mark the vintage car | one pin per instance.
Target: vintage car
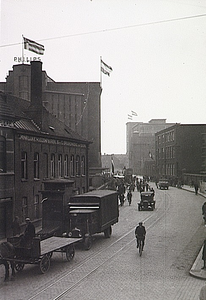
(147, 201)
(163, 184)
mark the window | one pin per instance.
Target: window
(45, 166)
(59, 165)
(24, 165)
(83, 165)
(52, 165)
(72, 165)
(36, 206)
(36, 165)
(78, 165)
(2, 155)
(66, 171)
(24, 208)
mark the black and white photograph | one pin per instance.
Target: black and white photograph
(103, 149)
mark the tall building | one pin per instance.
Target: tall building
(36, 149)
(141, 145)
(76, 104)
(181, 149)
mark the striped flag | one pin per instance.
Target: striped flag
(133, 113)
(112, 162)
(105, 68)
(33, 46)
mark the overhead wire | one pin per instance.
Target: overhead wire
(113, 29)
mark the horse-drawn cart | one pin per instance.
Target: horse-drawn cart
(40, 252)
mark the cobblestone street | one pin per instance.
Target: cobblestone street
(112, 268)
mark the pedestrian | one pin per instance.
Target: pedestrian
(16, 226)
(204, 255)
(196, 188)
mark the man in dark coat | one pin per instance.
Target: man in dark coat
(29, 233)
(140, 233)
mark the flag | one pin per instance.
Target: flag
(33, 46)
(133, 113)
(112, 161)
(105, 68)
(129, 117)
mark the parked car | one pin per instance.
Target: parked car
(147, 201)
(163, 184)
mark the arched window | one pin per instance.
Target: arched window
(72, 165)
(66, 166)
(78, 165)
(24, 165)
(59, 165)
(52, 165)
(36, 165)
(2, 155)
(83, 165)
(45, 167)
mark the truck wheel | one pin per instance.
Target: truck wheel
(88, 242)
(108, 232)
(70, 251)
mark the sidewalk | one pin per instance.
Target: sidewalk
(196, 270)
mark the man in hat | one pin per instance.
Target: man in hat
(140, 233)
(29, 233)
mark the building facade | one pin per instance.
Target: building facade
(141, 145)
(76, 104)
(181, 149)
(35, 147)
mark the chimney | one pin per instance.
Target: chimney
(36, 107)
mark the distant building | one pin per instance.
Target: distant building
(119, 160)
(141, 145)
(181, 149)
(35, 148)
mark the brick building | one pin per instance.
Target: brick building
(141, 145)
(181, 149)
(76, 104)
(35, 147)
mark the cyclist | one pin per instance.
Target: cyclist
(140, 233)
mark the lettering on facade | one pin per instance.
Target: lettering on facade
(49, 141)
(4, 123)
(26, 59)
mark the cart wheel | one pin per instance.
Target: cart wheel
(70, 251)
(19, 267)
(44, 264)
(49, 254)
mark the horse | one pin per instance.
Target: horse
(7, 250)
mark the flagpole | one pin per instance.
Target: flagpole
(100, 72)
(22, 49)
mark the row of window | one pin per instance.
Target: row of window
(64, 167)
(168, 169)
(168, 152)
(167, 137)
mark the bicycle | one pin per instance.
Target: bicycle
(140, 242)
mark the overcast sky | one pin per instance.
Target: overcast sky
(157, 49)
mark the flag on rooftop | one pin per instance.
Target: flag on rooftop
(112, 162)
(133, 113)
(33, 46)
(105, 68)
